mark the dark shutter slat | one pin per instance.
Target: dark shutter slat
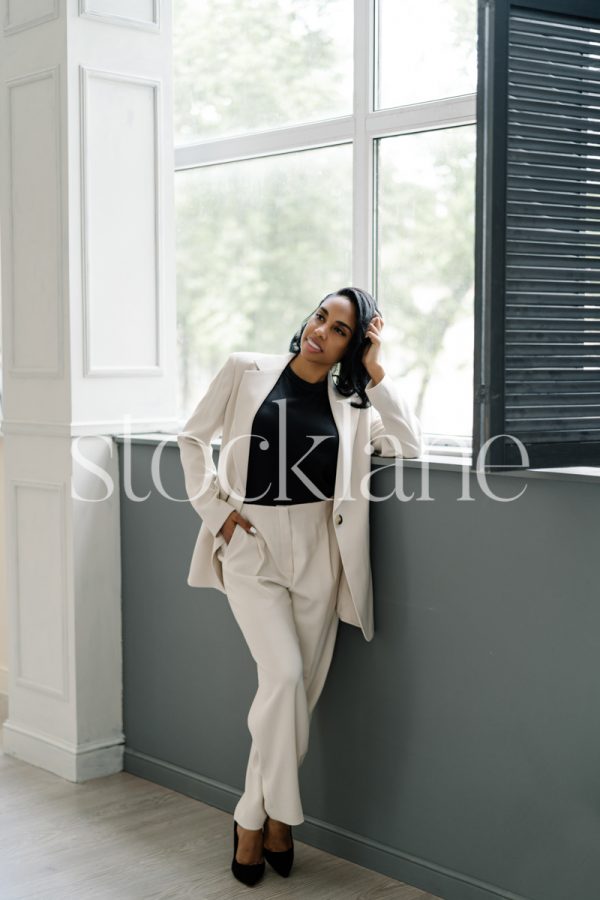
(538, 237)
(554, 412)
(579, 112)
(553, 102)
(548, 407)
(525, 79)
(553, 318)
(549, 385)
(515, 401)
(559, 359)
(575, 219)
(519, 395)
(522, 37)
(556, 380)
(518, 194)
(528, 263)
(550, 29)
(573, 169)
(573, 350)
(517, 324)
(520, 182)
(539, 433)
(531, 439)
(579, 453)
(553, 336)
(560, 62)
(549, 120)
(572, 138)
(543, 249)
(552, 96)
(554, 299)
(554, 164)
(539, 398)
(556, 285)
(551, 68)
(538, 144)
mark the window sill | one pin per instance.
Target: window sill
(457, 463)
(442, 463)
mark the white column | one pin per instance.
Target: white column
(88, 304)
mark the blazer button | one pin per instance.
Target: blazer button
(339, 519)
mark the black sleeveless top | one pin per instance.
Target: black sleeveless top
(303, 411)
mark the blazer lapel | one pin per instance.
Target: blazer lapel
(255, 386)
(346, 420)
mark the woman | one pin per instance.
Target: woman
(296, 446)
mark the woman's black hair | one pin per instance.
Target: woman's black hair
(349, 375)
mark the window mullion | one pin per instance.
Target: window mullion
(265, 143)
(362, 159)
(433, 114)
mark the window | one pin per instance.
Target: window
(317, 146)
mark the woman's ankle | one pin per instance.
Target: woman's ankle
(248, 830)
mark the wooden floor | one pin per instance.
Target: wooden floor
(125, 838)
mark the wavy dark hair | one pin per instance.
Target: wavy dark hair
(349, 374)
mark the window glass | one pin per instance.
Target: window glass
(247, 65)
(426, 50)
(259, 244)
(425, 271)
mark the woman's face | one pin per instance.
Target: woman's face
(330, 329)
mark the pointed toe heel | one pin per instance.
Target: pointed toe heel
(248, 873)
(281, 860)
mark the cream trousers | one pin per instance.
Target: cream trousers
(281, 586)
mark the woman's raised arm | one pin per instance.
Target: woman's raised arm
(392, 415)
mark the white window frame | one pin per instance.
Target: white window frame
(363, 128)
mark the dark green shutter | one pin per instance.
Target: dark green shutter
(537, 250)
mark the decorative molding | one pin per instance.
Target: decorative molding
(350, 845)
(16, 370)
(12, 28)
(86, 10)
(77, 429)
(58, 488)
(89, 370)
(71, 761)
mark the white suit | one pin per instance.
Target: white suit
(388, 428)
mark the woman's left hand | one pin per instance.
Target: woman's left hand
(371, 357)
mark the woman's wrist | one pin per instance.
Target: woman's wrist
(376, 372)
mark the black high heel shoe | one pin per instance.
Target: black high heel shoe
(281, 860)
(248, 873)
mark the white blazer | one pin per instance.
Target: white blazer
(228, 407)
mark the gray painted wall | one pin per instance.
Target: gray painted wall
(459, 750)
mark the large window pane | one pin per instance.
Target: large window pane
(259, 244)
(425, 271)
(427, 50)
(245, 66)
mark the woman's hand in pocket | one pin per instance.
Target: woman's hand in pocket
(231, 523)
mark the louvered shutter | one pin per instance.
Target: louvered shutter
(537, 251)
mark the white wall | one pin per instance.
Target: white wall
(3, 604)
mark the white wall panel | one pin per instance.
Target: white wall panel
(40, 586)
(35, 225)
(22, 14)
(140, 13)
(121, 247)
